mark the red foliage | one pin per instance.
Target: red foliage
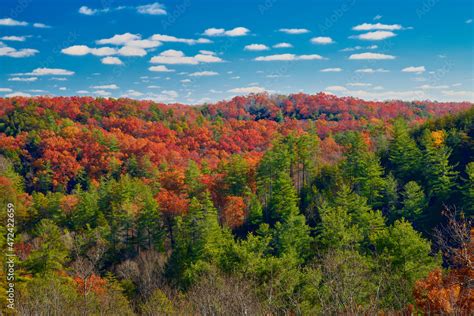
(233, 214)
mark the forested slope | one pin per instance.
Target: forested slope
(300, 204)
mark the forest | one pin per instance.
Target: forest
(259, 205)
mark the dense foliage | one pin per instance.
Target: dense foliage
(300, 204)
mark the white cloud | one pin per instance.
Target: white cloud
(247, 90)
(238, 31)
(11, 22)
(175, 57)
(28, 79)
(47, 72)
(358, 84)
(106, 87)
(87, 11)
(14, 38)
(81, 50)
(186, 81)
(336, 88)
(460, 95)
(288, 57)
(5, 90)
(371, 70)
(376, 36)
(331, 70)
(132, 51)
(256, 47)
(203, 74)
(17, 94)
(82, 92)
(152, 9)
(384, 95)
(119, 39)
(370, 56)
(102, 93)
(351, 49)
(377, 26)
(322, 40)
(294, 31)
(111, 61)
(146, 43)
(160, 68)
(62, 88)
(427, 86)
(17, 53)
(377, 17)
(282, 45)
(132, 94)
(413, 69)
(174, 39)
(41, 26)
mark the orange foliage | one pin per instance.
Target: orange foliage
(94, 284)
(233, 214)
(451, 293)
(171, 203)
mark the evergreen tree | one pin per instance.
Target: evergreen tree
(439, 174)
(414, 201)
(404, 154)
(363, 168)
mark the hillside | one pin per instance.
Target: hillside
(299, 204)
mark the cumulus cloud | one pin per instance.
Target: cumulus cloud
(288, 57)
(14, 38)
(413, 69)
(47, 72)
(294, 30)
(256, 47)
(247, 90)
(81, 50)
(119, 39)
(41, 26)
(106, 87)
(5, 90)
(203, 74)
(132, 51)
(358, 84)
(351, 49)
(322, 40)
(282, 45)
(378, 95)
(12, 22)
(87, 11)
(377, 26)
(331, 70)
(17, 53)
(24, 79)
(375, 36)
(174, 39)
(427, 86)
(17, 94)
(160, 68)
(175, 57)
(459, 95)
(370, 56)
(102, 93)
(152, 9)
(111, 61)
(336, 88)
(371, 70)
(238, 31)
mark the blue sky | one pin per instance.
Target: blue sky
(194, 51)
